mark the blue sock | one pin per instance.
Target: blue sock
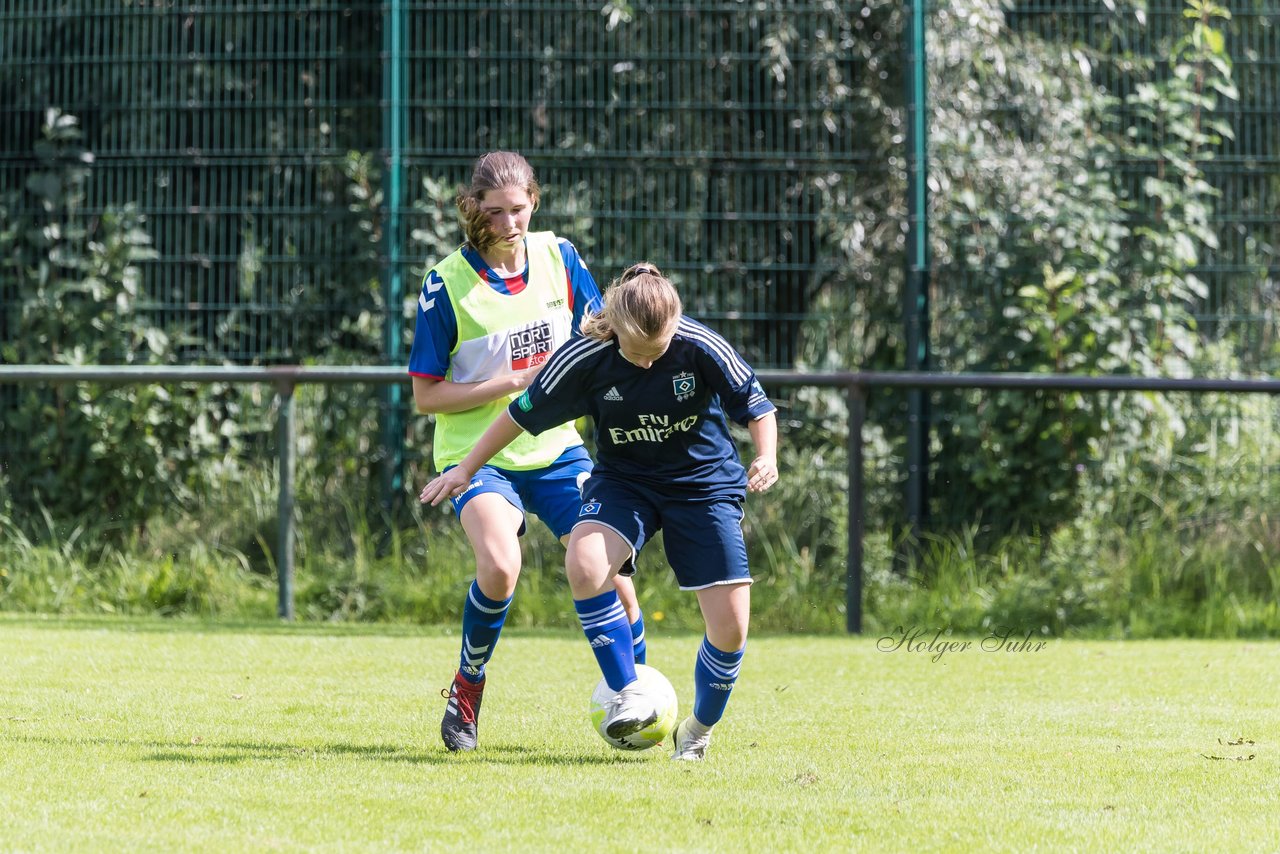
(713, 679)
(637, 639)
(605, 625)
(482, 620)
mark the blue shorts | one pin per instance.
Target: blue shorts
(702, 536)
(551, 492)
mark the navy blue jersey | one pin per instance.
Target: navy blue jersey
(663, 426)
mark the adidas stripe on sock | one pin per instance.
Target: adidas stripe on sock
(606, 627)
(714, 676)
(637, 639)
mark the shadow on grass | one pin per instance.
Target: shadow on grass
(237, 752)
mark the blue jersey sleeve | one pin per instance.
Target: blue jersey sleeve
(740, 393)
(436, 331)
(584, 293)
(557, 395)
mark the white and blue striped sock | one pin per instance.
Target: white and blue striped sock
(637, 639)
(482, 620)
(605, 624)
(714, 676)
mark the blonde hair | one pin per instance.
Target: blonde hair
(497, 170)
(641, 303)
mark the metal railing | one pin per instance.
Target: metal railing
(856, 385)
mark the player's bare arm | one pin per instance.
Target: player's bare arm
(763, 472)
(454, 482)
(434, 396)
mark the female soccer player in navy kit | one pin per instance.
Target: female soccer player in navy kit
(659, 387)
(489, 316)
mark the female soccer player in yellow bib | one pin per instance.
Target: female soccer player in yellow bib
(489, 317)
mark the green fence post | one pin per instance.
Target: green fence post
(856, 397)
(286, 441)
(393, 350)
(916, 292)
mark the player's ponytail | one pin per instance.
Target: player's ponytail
(497, 170)
(641, 303)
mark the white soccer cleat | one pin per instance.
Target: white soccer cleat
(689, 747)
(629, 711)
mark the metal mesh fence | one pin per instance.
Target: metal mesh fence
(753, 150)
(992, 142)
(730, 143)
(668, 136)
(1241, 267)
(679, 137)
(228, 125)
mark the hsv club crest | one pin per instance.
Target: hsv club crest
(684, 385)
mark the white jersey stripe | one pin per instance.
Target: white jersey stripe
(568, 356)
(735, 368)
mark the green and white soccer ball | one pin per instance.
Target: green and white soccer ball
(663, 696)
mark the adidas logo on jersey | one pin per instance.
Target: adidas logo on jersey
(612, 394)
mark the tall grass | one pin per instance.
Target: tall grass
(1204, 565)
(1093, 580)
(64, 574)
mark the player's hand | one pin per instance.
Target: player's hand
(762, 474)
(451, 484)
(525, 378)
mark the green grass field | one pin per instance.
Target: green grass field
(161, 735)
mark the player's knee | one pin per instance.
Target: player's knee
(585, 572)
(727, 635)
(497, 575)
(730, 641)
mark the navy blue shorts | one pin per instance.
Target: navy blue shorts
(552, 492)
(702, 536)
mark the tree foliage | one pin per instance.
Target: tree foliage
(113, 455)
(1076, 220)
(753, 150)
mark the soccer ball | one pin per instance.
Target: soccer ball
(654, 684)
